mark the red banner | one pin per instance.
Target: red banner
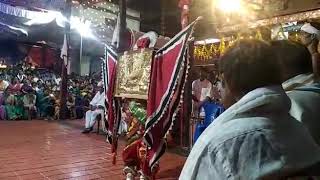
(167, 79)
(109, 77)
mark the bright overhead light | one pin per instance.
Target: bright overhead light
(229, 6)
(83, 27)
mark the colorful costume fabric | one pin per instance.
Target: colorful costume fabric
(134, 154)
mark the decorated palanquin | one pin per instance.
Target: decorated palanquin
(155, 79)
(132, 84)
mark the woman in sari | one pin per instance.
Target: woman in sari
(19, 106)
(10, 102)
(2, 107)
(29, 101)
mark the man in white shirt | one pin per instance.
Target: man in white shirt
(97, 107)
(201, 89)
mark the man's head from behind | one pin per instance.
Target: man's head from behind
(247, 65)
(294, 58)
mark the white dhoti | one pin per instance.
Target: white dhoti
(91, 117)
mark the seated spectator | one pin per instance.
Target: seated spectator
(29, 101)
(255, 138)
(2, 107)
(79, 106)
(97, 107)
(300, 84)
(71, 106)
(3, 84)
(19, 106)
(46, 105)
(57, 107)
(10, 105)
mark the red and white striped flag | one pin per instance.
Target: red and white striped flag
(167, 79)
(109, 77)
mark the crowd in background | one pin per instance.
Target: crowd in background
(27, 92)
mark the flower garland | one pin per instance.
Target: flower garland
(209, 52)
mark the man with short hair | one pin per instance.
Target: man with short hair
(300, 84)
(97, 107)
(255, 138)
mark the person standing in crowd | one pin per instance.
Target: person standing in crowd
(3, 84)
(201, 89)
(71, 106)
(300, 84)
(97, 107)
(10, 105)
(29, 101)
(310, 35)
(255, 138)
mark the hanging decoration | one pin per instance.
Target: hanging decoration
(208, 52)
(222, 47)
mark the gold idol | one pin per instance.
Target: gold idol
(133, 74)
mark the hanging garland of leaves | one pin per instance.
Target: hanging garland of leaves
(207, 52)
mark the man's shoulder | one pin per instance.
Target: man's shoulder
(304, 94)
(218, 134)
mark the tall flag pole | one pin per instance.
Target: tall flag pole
(65, 56)
(184, 5)
(168, 75)
(114, 112)
(111, 61)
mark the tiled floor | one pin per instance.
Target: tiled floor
(50, 150)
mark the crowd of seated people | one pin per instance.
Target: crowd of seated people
(30, 93)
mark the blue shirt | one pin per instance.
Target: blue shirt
(212, 111)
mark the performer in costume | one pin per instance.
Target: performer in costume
(134, 153)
